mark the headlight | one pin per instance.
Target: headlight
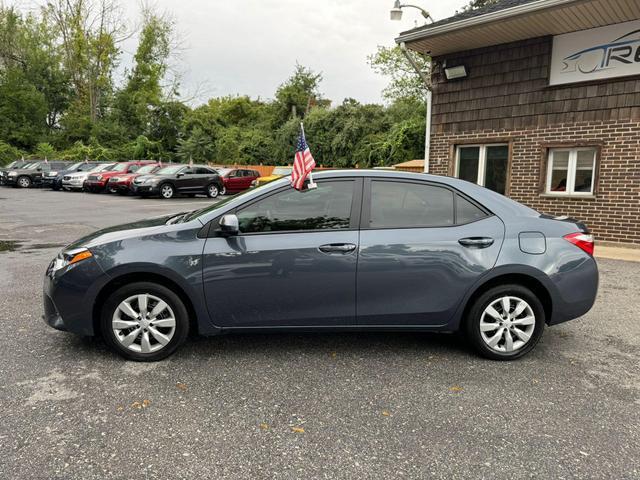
(70, 257)
(151, 180)
(12, 174)
(99, 177)
(52, 174)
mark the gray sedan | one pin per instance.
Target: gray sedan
(364, 250)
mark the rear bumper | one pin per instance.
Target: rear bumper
(576, 291)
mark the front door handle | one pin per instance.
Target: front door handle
(476, 242)
(337, 248)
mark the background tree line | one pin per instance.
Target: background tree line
(60, 98)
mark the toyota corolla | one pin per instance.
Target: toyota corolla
(364, 250)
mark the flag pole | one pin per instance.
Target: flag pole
(311, 183)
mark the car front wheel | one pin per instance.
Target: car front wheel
(213, 191)
(24, 182)
(505, 322)
(144, 321)
(167, 191)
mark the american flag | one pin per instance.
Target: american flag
(303, 163)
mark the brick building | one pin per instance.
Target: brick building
(545, 107)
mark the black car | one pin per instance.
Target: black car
(12, 166)
(53, 178)
(175, 179)
(33, 173)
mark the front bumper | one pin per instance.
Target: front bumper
(11, 180)
(69, 296)
(95, 185)
(144, 189)
(73, 184)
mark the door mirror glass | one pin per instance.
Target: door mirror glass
(229, 225)
(178, 175)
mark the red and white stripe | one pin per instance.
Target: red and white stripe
(303, 164)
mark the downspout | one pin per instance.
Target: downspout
(427, 83)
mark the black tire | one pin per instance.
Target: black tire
(167, 191)
(474, 316)
(213, 190)
(173, 301)
(223, 190)
(24, 181)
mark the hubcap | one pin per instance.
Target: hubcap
(507, 324)
(24, 182)
(213, 190)
(167, 191)
(144, 323)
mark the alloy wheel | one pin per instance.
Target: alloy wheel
(507, 324)
(223, 191)
(213, 191)
(24, 182)
(166, 191)
(144, 323)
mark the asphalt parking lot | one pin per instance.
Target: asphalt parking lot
(297, 405)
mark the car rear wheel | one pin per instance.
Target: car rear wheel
(223, 191)
(167, 191)
(213, 191)
(144, 322)
(24, 182)
(505, 322)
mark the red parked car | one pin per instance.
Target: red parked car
(237, 179)
(121, 183)
(97, 182)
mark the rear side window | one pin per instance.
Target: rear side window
(410, 205)
(467, 212)
(327, 207)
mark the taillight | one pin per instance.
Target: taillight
(581, 240)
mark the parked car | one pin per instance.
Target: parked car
(365, 250)
(53, 179)
(32, 174)
(96, 182)
(121, 183)
(179, 179)
(75, 180)
(277, 173)
(15, 165)
(237, 179)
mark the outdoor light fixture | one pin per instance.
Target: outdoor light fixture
(396, 11)
(453, 73)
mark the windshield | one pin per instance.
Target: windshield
(103, 167)
(75, 166)
(120, 167)
(12, 164)
(282, 171)
(147, 169)
(170, 170)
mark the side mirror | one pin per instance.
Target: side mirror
(178, 175)
(229, 225)
(39, 169)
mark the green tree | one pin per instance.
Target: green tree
(296, 96)
(197, 147)
(404, 81)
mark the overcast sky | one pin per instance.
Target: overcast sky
(251, 46)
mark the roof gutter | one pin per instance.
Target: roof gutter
(532, 7)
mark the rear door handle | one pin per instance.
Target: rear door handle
(337, 248)
(476, 242)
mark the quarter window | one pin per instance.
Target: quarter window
(485, 165)
(327, 207)
(571, 171)
(410, 205)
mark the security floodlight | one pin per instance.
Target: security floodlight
(455, 72)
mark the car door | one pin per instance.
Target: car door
(422, 247)
(234, 181)
(293, 263)
(186, 180)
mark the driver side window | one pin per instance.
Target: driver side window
(327, 207)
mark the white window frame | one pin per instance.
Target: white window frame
(571, 171)
(482, 162)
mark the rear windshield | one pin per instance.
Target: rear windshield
(282, 171)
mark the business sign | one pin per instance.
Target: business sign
(598, 53)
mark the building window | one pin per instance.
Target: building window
(486, 165)
(571, 171)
